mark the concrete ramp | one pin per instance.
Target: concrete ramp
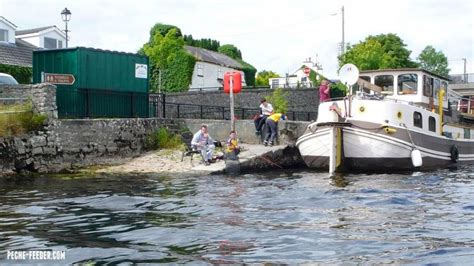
(254, 158)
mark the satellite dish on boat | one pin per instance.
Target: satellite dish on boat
(349, 74)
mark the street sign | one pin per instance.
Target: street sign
(307, 70)
(61, 79)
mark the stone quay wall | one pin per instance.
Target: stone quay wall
(42, 96)
(303, 99)
(71, 144)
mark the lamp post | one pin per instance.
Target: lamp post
(66, 16)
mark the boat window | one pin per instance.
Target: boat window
(366, 78)
(444, 85)
(467, 133)
(427, 86)
(436, 86)
(385, 82)
(417, 120)
(407, 84)
(432, 124)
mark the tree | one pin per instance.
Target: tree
(434, 61)
(379, 52)
(279, 100)
(170, 61)
(231, 51)
(264, 76)
(163, 29)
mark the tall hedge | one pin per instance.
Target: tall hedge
(23, 75)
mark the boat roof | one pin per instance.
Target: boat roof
(403, 70)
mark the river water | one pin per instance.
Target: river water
(278, 217)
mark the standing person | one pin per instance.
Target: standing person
(233, 148)
(272, 124)
(266, 109)
(203, 142)
(324, 91)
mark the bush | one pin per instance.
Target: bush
(279, 100)
(23, 75)
(163, 139)
(338, 90)
(18, 119)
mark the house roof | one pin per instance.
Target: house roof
(7, 22)
(34, 30)
(205, 55)
(19, 53)
(19, 33)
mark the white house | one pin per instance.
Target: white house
(13, 51)
(210, 67)
(298, 78)
(7, 31)
(49, 37)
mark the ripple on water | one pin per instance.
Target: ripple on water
(280, 217)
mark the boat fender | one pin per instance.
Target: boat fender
(454, 154)
(389, 130)
(416, 158)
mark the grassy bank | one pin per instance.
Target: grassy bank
(17, 119)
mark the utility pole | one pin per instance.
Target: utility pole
(343, 44)
(465, 74)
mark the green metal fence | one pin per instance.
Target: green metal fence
(88, 103)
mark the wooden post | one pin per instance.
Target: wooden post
(231, 95)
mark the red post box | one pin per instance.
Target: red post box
(237, 81)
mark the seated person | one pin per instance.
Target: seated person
(203, 142)
(233, 148)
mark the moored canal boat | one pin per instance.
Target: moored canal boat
(397, 119)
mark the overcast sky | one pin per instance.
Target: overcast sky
(272, 35)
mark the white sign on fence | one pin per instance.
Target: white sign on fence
(141, 71)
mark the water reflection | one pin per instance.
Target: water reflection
(280, 217)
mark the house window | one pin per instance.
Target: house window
(432, 124)
(60, 44)
(436, 86)
(3, 35)
(385, 82)
(427, 86)
(417, 120)
(50, 43)
(200, 72)
(219, 74)
(407, 84)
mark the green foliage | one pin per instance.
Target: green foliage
(249, 72)
(264, 76)
(208, 44)
(167, 55)
(231, 51)
(434, 61)
(18, 119)
(163, 29)
(23, 75)
(337, 90)
(163, 139)
(315, 77)
(378, 52)
(279, 100)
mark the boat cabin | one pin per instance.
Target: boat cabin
(408, 84)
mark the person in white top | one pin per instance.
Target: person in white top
(267, 110)
(204, 143)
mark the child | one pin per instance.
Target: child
(233, 148)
